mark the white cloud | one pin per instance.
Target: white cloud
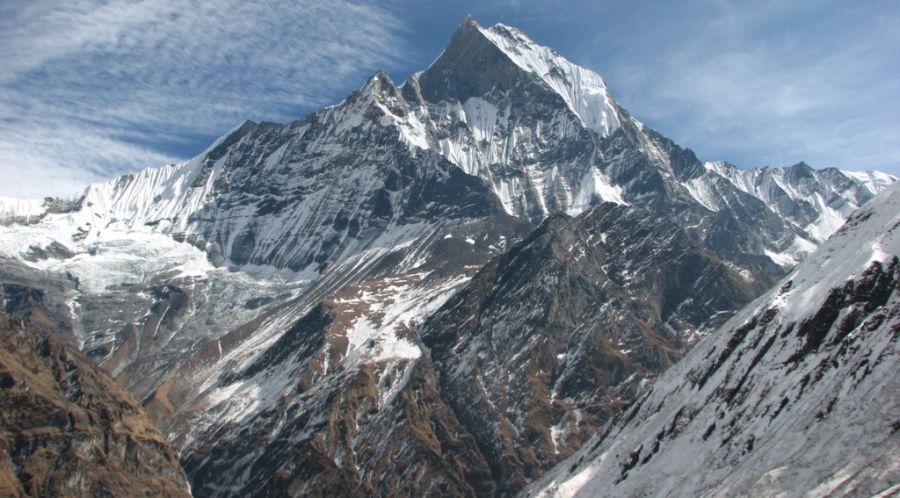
(62, 160)
(91, 88)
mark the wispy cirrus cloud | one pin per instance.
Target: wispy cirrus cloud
(90, 89)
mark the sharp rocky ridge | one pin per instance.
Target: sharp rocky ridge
(541, 134)
(442, 287)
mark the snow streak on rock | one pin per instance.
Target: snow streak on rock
(272, 302)
(796, 394)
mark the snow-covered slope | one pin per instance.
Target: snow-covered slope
(299, 197)
(552, 338)
(814, 201)
(532, 133)
(12, 209)
(339, 404)
(583, 90)
(570, 144)
(270, 287)
(797, 395)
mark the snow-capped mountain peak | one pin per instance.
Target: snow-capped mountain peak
(584, 91)
(543, 132)
(285, 301)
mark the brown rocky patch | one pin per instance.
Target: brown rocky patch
(67, 429)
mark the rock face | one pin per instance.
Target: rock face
(344, 402)
(387, 396)
(548, 137)
(283, 304)
(797, 393)
(551, 339)
(67, 429)
(497, 129)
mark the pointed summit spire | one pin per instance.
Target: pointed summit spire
(468, 29)
(378, 79)
(469, 21)
(480, 60)
(379, 85)
(470, 66)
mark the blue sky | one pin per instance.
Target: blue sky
(91, 89)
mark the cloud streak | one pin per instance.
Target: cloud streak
(91, 89)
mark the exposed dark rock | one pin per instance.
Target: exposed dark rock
(563, 329)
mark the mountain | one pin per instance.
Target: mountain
(570, 142)
(797, 394)
(552, 338)
(68, 429)
(363, 385)
(540, 133)
(498, 132)
(292, 300)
